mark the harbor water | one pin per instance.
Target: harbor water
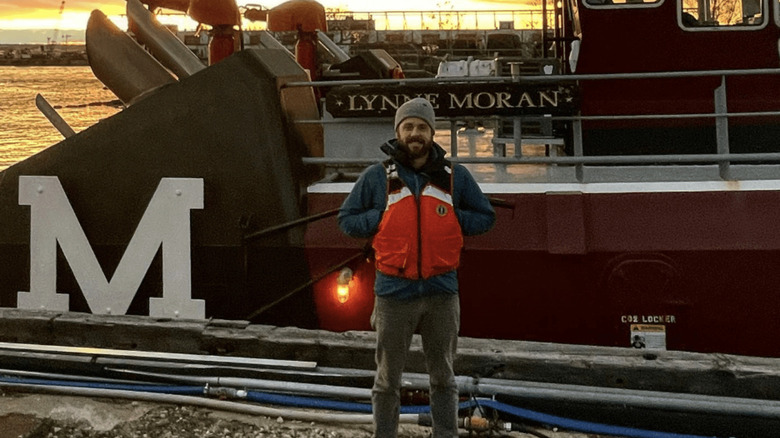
(75, 93)
(82, 100)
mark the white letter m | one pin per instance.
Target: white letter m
(165, 223)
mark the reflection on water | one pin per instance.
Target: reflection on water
(82, 101)
(478, 142)
(73, 91)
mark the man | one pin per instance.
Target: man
(417, 207)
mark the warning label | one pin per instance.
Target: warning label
(650, 336)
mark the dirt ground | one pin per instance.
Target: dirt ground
(59, 416)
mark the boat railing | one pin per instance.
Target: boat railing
(442, 19)
(548, 151)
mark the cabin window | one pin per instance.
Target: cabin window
(721, 13)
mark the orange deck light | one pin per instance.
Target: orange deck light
(343, 284)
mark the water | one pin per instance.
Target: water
(82, 100)
(74, 92)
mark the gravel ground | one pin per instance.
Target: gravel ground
(51, 416)
(57, 416)
(186, 422)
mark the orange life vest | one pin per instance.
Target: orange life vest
(418, 237)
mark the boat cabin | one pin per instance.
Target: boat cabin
(654, 42)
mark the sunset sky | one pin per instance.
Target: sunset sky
(44, 14)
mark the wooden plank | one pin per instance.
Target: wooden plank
(698, 373)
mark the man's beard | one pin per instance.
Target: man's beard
(419, 153)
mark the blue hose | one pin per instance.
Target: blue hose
(307, 402)
(163, 389)
(552, 420)
(574, 425)
(318, 403)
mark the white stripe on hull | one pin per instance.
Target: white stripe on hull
(627, 187)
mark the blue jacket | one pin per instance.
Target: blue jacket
(361, 213)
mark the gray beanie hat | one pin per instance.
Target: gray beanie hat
(417, 107)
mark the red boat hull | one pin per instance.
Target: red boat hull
(583, 268)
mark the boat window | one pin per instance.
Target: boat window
(721, 13)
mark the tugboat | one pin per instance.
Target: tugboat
(633, 168)
(640, 214)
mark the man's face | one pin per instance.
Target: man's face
(415, 137)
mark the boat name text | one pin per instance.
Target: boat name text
(481, 100)
(487, 99)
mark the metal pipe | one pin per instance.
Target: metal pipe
(286, 387)
(604, 159)
(532, 390)
(578, 148)
(540, 78)
(53, 116)
(700, 404)
(158, 356)
(268, 41)
(595, 395)
(722, 128)
(332, 47)
(59, 376)
(692, 403)
(290, 224)
(373, 120)
(611, 396)
(186, 395)
(242, 408)
(453, 139)
(517, 136)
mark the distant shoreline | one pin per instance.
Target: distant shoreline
(75, 47)
(25, 55)
(43, 62)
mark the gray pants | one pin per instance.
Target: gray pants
(438, 320)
